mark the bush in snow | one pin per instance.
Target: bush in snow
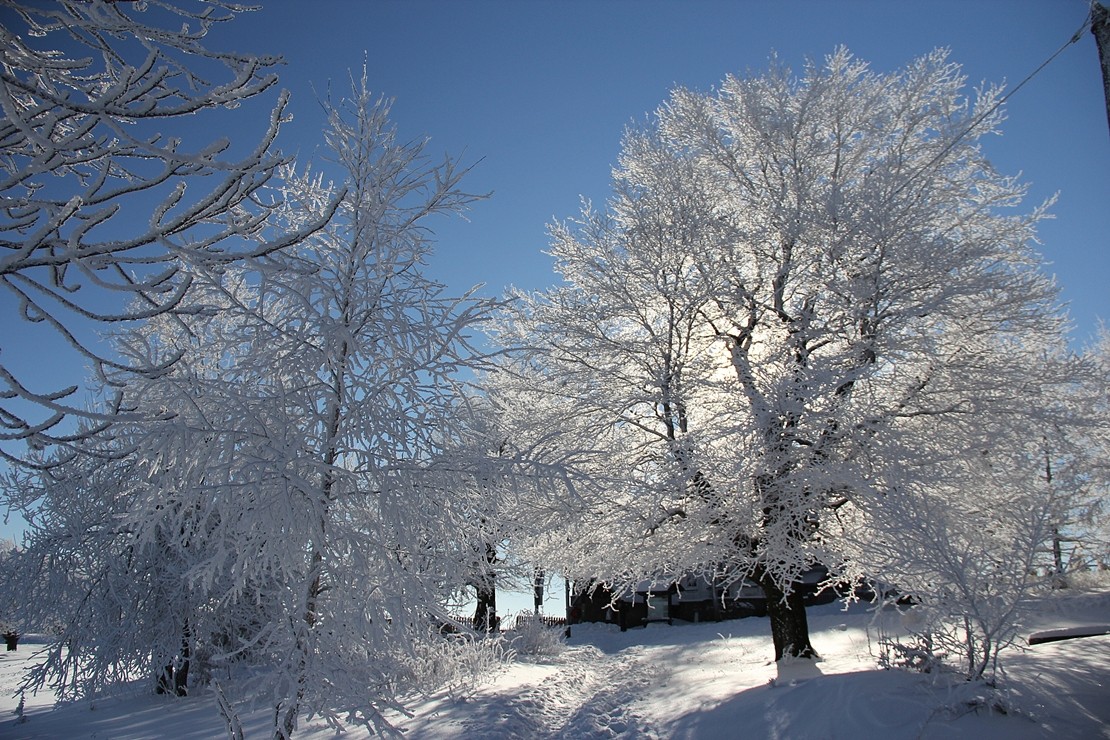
(1096, 579)
(532, 637)
(967, 561)
(458, 663)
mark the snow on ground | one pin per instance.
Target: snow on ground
(695, 681)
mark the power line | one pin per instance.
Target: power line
(983, 116)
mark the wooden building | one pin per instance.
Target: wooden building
(689, 598)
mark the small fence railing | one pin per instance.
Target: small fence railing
(517, 621)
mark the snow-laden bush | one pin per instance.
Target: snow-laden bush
(915, 653)
(1089, 580)
(458, 663)
(965, 562)
(532, 637)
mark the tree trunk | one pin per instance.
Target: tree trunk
(288, 709)
(485, 613)
(285, 717)
(537, 589)
(174, 677)
(164, 682)
(1058, 580)
(789, 626)
(181, 675)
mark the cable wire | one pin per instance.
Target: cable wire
(1074, 39)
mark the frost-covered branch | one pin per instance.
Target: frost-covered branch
(112, 199)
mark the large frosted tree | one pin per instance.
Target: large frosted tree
(112, 188)
(801, 283)
(298, 497)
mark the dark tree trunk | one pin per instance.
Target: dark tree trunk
(174, 677)
(789, 626)
(485, 613)
(181, 676)
(164, 684)
(537, 590)
(1058, 580)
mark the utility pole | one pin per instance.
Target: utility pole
(1100, 29)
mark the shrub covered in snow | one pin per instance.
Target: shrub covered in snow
(459, 662)
(532, 636)
(1091, 580)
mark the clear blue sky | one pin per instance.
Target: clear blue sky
(540, 93)
(537, 94)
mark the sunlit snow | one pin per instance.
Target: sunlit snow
(708, 680)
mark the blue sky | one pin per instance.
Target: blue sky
(536, 95)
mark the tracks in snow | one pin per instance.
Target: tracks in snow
(589, 696)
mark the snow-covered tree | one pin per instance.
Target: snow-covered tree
(118, 605)
(297, 491)
(354, 359)
(791, 271)
(112, 191)
(106, 557)
(518, 474)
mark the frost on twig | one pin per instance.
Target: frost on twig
(110, 198)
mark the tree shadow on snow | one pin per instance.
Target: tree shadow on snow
(121, 716)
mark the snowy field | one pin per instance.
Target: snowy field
(709, 680)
